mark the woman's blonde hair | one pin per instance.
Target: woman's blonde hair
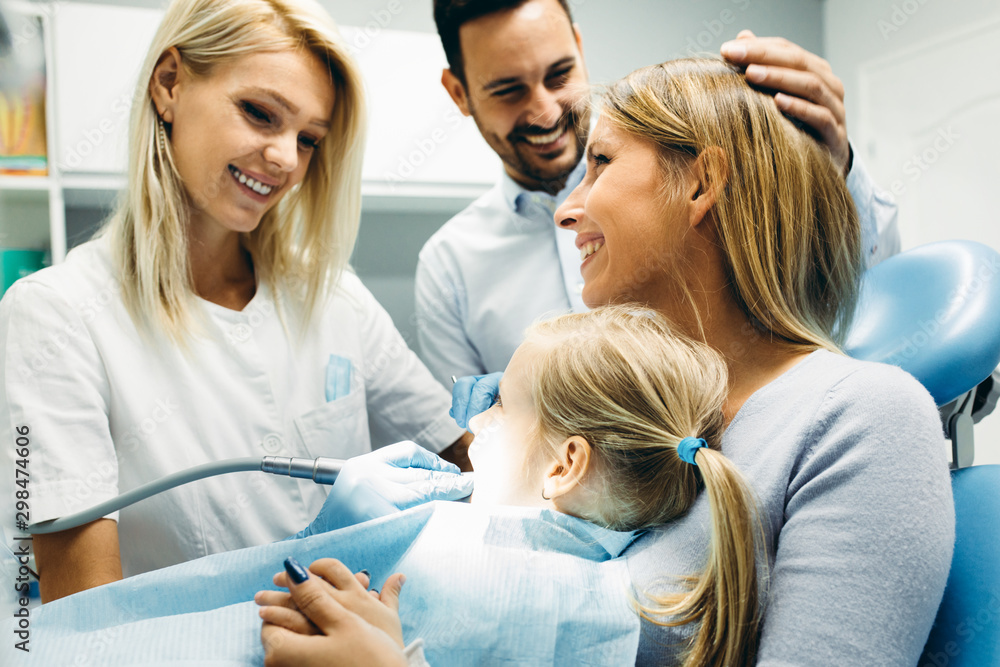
(785, 219)
(307, 239)
(619, 377)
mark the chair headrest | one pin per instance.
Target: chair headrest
(934, 311)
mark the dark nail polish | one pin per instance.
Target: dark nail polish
(297, 573)
(366, 573)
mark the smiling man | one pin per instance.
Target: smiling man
(517, 67)
(520, 74)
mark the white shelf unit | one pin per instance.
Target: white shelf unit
(422, 157)
(32, 213)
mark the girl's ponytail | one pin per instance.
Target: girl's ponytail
(726, 596)
(620, 378)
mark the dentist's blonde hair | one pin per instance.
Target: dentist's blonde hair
(785, 219)
(305, 241)
(620, 378)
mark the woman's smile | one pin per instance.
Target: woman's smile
(253, 185)
(589, 244)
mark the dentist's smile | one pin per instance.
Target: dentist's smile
(253, 185)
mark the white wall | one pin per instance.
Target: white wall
(923, 95)
(619, 37)
(859, 31)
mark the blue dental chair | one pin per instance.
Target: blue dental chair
(935, 312)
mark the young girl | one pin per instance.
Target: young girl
(608, 416)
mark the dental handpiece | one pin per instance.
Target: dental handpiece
(321, 470)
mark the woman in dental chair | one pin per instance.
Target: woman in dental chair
(705, 203)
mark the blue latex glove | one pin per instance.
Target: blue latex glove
(388, 480)
(473, 394)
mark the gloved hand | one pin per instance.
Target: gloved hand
(386, 481)
(473, 394)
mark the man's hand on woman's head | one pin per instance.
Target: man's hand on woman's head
(806, 88)
(332, 619)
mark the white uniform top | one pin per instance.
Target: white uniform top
(502, 263)
(108, 411)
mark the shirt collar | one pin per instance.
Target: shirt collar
(519, 198)
(613, 541)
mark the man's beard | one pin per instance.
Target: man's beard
(517, 154)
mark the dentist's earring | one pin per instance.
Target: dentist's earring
(161, 133)
(544, 497)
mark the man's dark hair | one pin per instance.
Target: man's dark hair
(451, 15)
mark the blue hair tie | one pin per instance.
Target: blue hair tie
(687, 447)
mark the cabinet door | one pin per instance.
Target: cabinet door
(98, 52)
(929, 120)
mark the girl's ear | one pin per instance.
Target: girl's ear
(565, 471)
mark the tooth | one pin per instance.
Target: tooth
(243, 179)
(546, 138)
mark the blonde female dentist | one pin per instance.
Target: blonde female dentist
(212, 317)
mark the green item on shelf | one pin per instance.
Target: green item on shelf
(16, 263)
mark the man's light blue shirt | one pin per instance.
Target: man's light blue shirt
(502, 264)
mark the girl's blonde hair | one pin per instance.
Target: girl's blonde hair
(619, 377)
(307, 239)
(785, 219)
